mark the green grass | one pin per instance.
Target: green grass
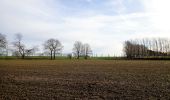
(58, 58)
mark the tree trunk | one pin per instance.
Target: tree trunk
(78, 56)
(23, 55)
(86, 57)
(54, 54)
(51, 54)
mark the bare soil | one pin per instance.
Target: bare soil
(84, 79)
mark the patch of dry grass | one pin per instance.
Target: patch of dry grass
(91, 79)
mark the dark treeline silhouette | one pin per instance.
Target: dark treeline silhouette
(147, 48)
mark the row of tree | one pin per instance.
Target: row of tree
(51, 46)
(153, 47)
(82, 50)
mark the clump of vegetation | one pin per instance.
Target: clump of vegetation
(147, 48)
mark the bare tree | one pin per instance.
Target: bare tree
(135, 48)
(48, 45)
(31, 51)
(54, 46)
(128, 49)
(57, 47)
(3, 44)
(167, 47)
(20, 47)
(86, 50)
(77, 48)
(154, 47)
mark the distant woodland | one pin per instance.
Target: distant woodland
(147, 48)
(133, 49)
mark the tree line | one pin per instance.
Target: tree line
(147, 48)
(52, 47)
(137, 48)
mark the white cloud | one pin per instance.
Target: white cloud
(159, 10)
(39, 21)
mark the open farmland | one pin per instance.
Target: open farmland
(84, 79)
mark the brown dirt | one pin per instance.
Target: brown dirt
(91, 79)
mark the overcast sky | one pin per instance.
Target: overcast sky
(104, 24)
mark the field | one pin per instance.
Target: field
(84, 79)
